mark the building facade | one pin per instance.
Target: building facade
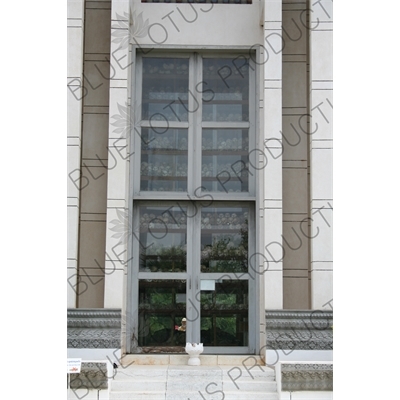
(200, 183)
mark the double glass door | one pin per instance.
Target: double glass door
(191, 280)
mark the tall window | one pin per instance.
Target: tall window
(193, 200)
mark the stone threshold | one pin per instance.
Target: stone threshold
(182, 359)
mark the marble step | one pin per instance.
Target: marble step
(137, 395)
(183, 382)
(136, 385)
(213, 395)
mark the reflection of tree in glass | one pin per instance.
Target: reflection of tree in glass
(227, 253)
(164, 259)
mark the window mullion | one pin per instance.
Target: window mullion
(195, 124)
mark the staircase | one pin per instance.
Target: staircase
(182, 382)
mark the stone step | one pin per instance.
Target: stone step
(183, 382)
(242, 395)
(253, 386)
(239, 373)
(137, 395)
(138, 385)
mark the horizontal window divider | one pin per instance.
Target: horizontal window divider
(204, 197)
(225, 275)
(163, 275)
(165, 125)
(226, 125)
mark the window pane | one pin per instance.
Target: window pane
(162, 306)
(165, 89)
(224, 314)
(225, 160)
(162, 239)
(224, 239)
(225, 89)
(164, 160)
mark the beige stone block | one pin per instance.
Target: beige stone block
(97, 30)
(90, 291)
(294, 84)
(295, 190)
(95, 136)
(295, 244)
(295, 137)
(96, 82)
(92, 245)
(94, 195)
(295, 293)
(294, 32)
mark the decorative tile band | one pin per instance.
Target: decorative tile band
(313, 377)
(94, 328)
(299, 330)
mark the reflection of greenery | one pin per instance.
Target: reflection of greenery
(159, 312)
(165, 259)
(228, 253)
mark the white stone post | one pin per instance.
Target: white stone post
(116, 256)
(271, 209)
(320, 129)
(75, 32)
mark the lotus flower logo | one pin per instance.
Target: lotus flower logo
(121, 226)
(122, 120)
(120, 31)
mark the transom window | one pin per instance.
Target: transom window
(195, 121)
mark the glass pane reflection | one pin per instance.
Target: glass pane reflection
(225, 160)
(165, 89)
(162, 239)
(225, 89)
(224, 239)
(224, 314)
(164, 160)
(162, 306)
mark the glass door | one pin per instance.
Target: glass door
(193, 283)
